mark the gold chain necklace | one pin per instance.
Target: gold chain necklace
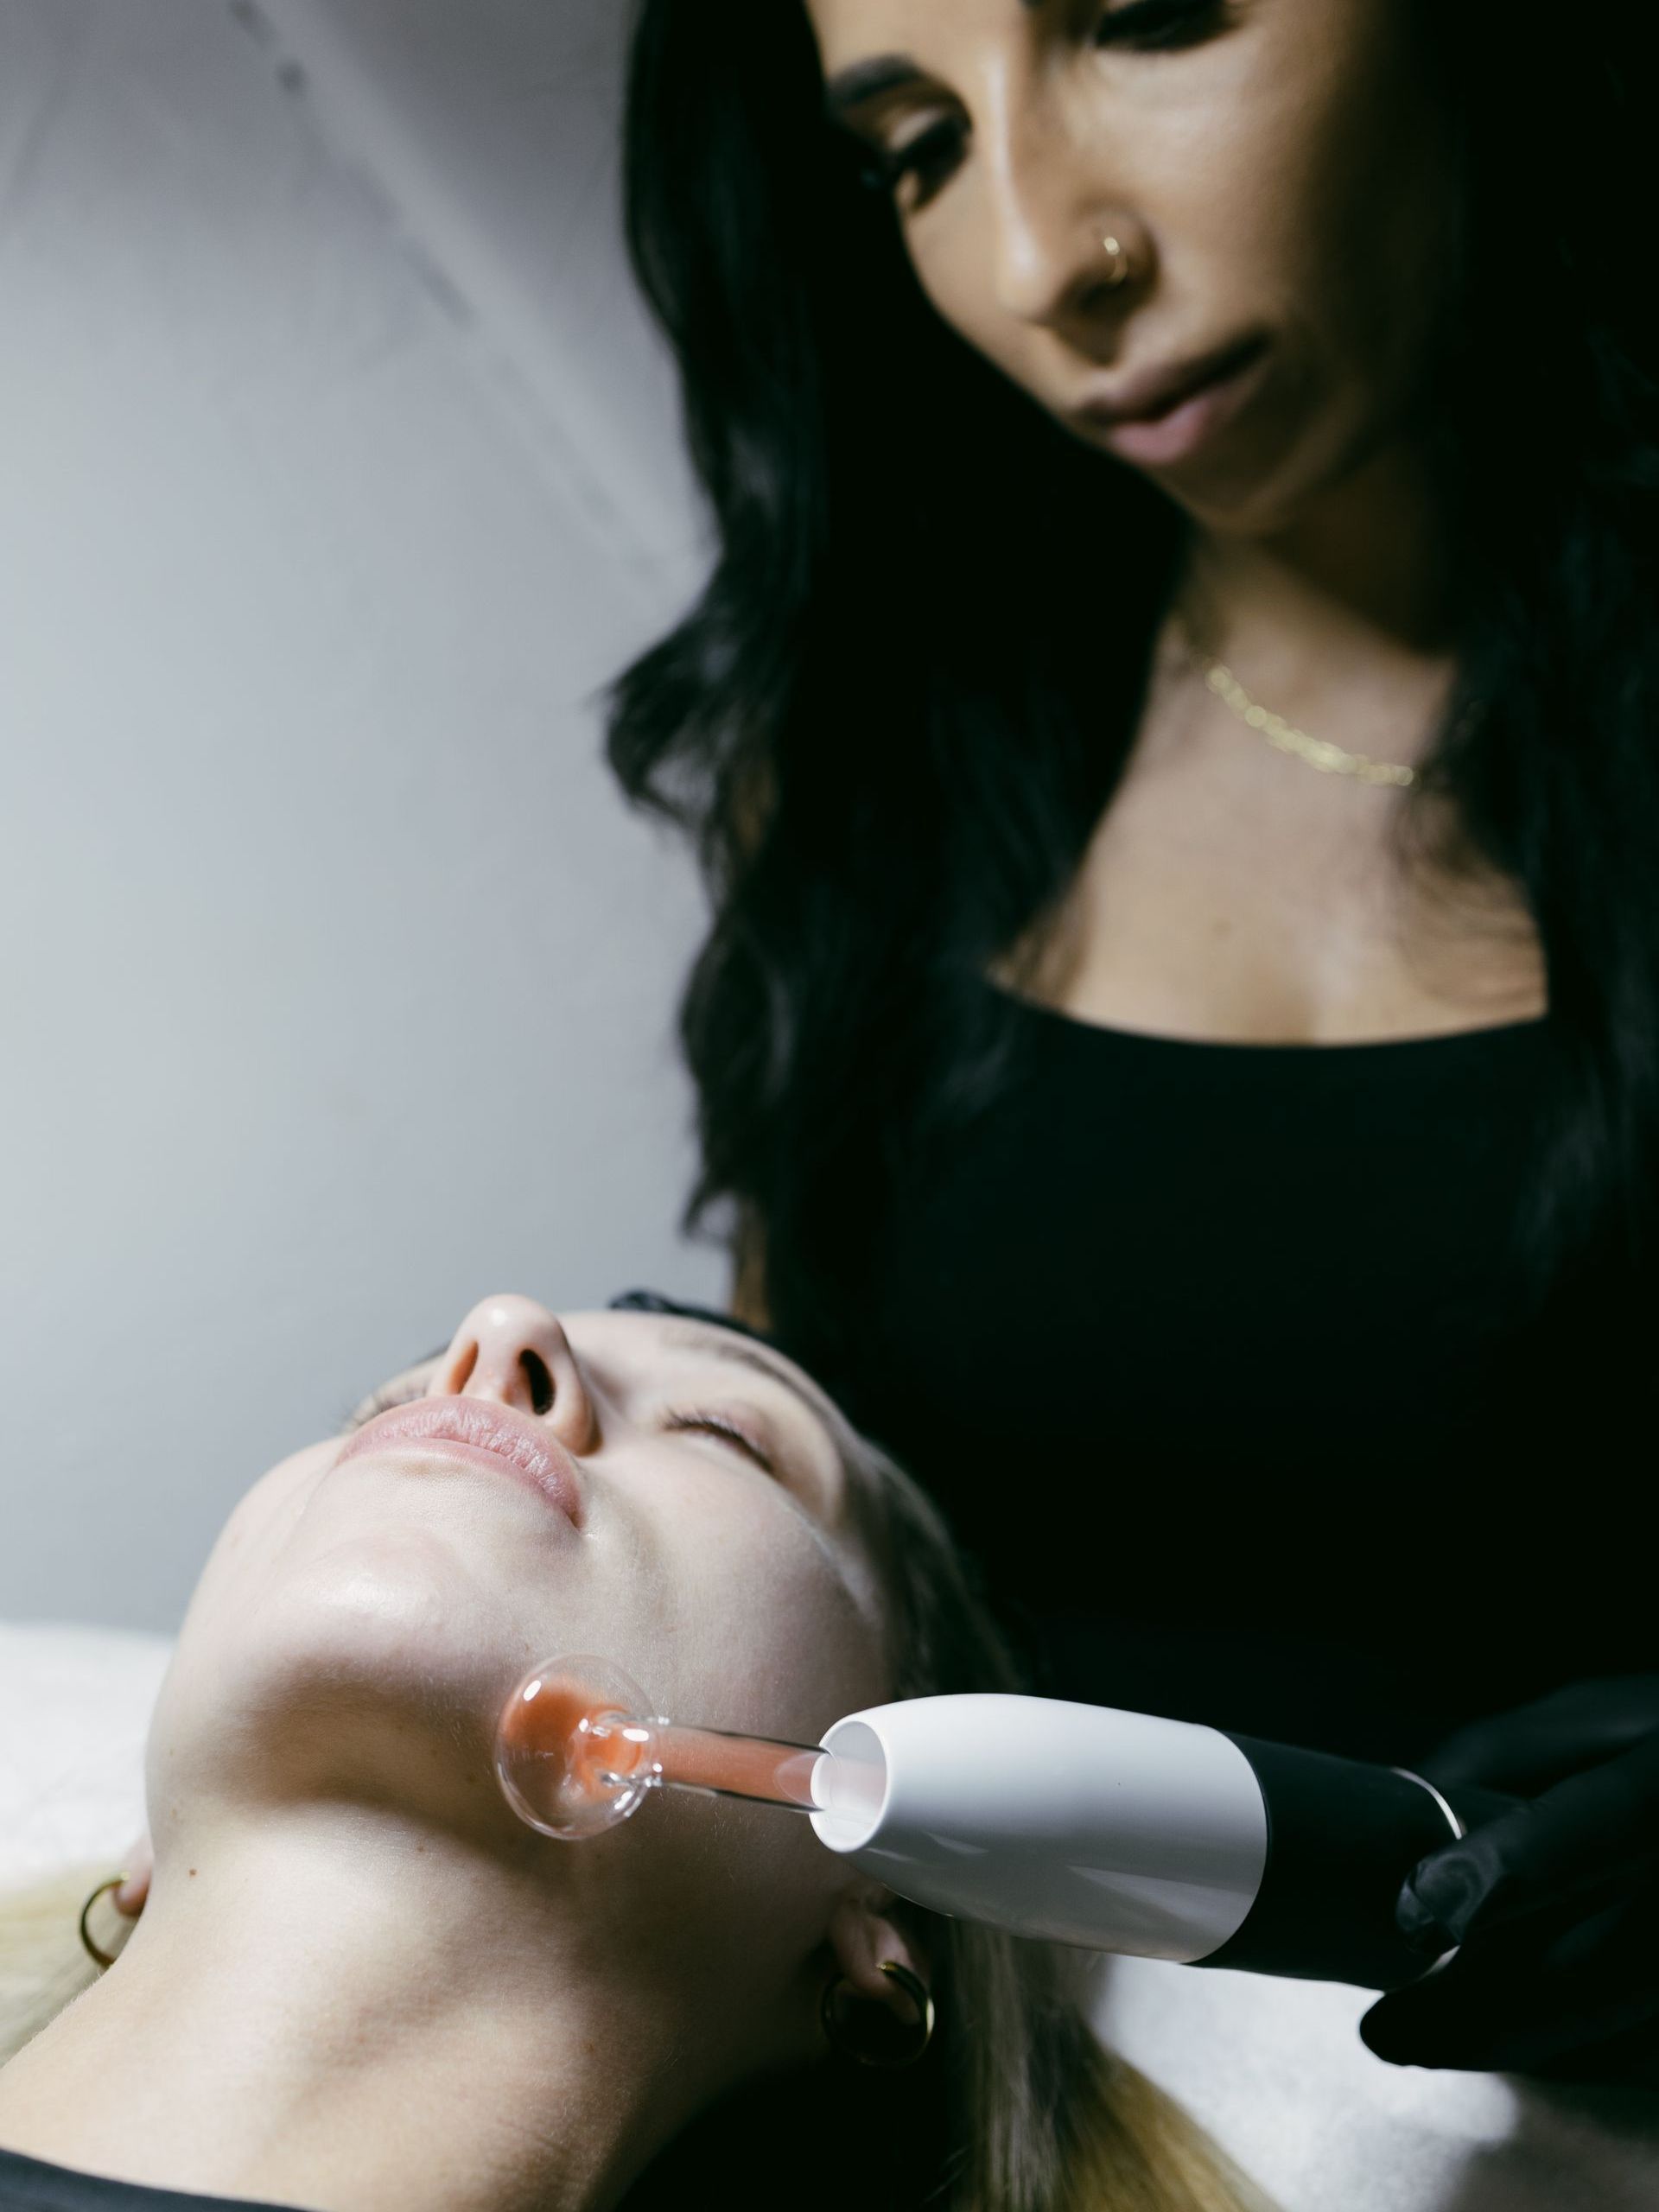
(1330, 759)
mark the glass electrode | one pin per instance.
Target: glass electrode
(578, 1750)
(1066, 1823)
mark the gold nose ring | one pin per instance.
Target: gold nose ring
(1119, 271)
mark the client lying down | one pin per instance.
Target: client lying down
(359, 1981)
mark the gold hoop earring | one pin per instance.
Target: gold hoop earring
(1122, 266)
(836, 2029)
(100, 1958)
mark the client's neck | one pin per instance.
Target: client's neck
(344, 2013)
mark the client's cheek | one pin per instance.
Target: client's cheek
(769, 1638)
(262, 1521)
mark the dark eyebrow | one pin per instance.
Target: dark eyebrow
(864, 80)
(884, 73)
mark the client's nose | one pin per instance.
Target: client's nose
(515, 1351)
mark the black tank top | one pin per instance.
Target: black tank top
(1204, 1347)
(34, 2185)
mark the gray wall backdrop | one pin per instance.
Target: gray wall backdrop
(339, 469)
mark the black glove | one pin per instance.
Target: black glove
(1555, 1905)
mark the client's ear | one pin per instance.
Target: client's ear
(866, 1934)
(139, 1859)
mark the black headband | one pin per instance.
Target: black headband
(653, 1302)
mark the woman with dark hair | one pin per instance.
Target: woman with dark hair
(1170, 734)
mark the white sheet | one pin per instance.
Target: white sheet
(74, 1706)
(1275, 2070)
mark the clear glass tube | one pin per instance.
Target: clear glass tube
(578, 1750)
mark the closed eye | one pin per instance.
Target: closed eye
(402, 1390)
(726, 1430)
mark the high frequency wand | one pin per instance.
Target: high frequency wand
(1077, 1823)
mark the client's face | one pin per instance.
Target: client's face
(681, 1504)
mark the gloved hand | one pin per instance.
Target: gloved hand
(1555, 1904)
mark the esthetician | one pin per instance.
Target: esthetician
(1172, 732)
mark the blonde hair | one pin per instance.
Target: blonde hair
(43, 1966)
(1031, 2113)
(1018, 2107)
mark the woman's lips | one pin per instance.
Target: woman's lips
(489, 1435)
(1166, 416)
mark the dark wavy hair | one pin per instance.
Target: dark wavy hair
(895, 714)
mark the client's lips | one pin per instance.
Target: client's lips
(478, 1430)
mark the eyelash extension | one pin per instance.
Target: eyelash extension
(1153, 24)
(728, 1431)
(882, 171)
(390, 1394)
(1144, 26)
(380, 1402)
